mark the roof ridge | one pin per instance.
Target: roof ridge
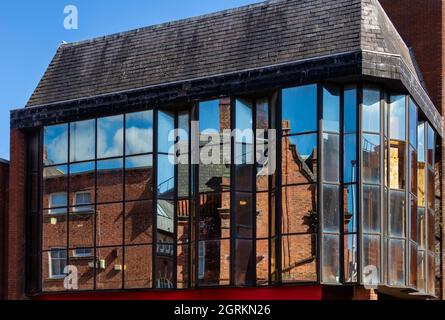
(174, 22)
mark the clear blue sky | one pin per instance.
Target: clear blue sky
(31, 31)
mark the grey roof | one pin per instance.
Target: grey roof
(4, 161)
(248, 38)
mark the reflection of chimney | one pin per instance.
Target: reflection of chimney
(45, 154)
(224, 113)
(285, 126)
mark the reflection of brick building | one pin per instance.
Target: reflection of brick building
(4, 184)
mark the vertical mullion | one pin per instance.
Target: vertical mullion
(254, 192)
(124, 125)
(278, 191)
(359, 182)
(341, 191)
(155, 194)
(319, 181)
(175, 207)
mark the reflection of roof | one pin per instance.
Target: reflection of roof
(165, 213)
(304, 162)
(52, 172)
(4, 161)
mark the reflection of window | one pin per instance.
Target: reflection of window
(56, 201)
(82, 200)
(82, 253)
(201, 259)
(57, 263)
(163, 283)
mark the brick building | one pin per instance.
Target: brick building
(340, 199)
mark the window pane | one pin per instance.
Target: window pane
(109, 180)
(214, 177)
(164, 265)
(244, 215)
(139, 132)
(244, 271)
(138, 268)
(54, 230)
(55, 144)
(350, 109)
(412, 122)
(414, 222)
(215, 115)
(431, 189)
(82, 140)
(430, 223)
(166, 177)
(262, 215)
(244, 177)
(431, 145)
(55, 185)
(331, 158)
(183, 208)
(397, 115)
(397, 263)
(331, 109)
(109, 224)
(371, 110)
(214, 216)
(53, 263)
(331, 217)
(85, 270)
(371, 209)
(421, 228)
(108, 260)
(138, 222)
(421, 142)
(298, 258)
(351, 257)
(413, 266)
(299, 111)
(350, 158)
(81, 227)
(397, 175)
(371, 158)
(299, 159)
(397, 213)
(350, 208)
(165, 217)
(214, 263)
(371, 259)
(421, 271)
(182, 268)
(262, 262)
(81, 180)
(331, 259)
(166, 125)
(110, 137)
(139, 177)
(299, 209)
(413, 172)
(431, 275)
(262, 114)
(421, 184)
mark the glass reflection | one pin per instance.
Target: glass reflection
(166, 125)
(244, 267)
(109, 180)
(350, 208)
(82, 259)
(82, 140)
(371, 209)
(331, 109)
(109, 268)
(54, 230)
(299, 111)
(138, 268)
(331, 159)
(139, 177)
(138, 222)
(396, 263)
(397, 116)
(350, 158)
(412, 122)
(431, 144)
(82, 192)
(371, 259)
(109, 224)
(110, 137)
(371, 158)
(397, 213)
(166, 177)
(331, 216)
(298, 258)
(55, 187)
(262, 262)
(214, 216)
(351, 247)
(214, 115)
(397, 175)
(139, 132)
(81, 228)
(350, 110)
(55, 144)
(331, 262)
(244, 215)
(299, 209)
(213, 263)
(299, 159)
(371, 110)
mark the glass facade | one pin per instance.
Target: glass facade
(321, 183)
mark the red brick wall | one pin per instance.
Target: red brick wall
(15, 221)
(4, 185)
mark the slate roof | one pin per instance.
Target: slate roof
(253, 37)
